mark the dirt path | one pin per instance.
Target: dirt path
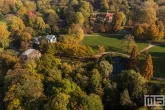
(150, 45)
(99, 55)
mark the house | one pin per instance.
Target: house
(30, 54)
(37, 40)
(108, 17)
(51, 38)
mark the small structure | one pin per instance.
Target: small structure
(51, 38)
(108, 17)
(30, 54)
(37, 40)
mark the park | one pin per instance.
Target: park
(112, 43)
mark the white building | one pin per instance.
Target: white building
(51, 38)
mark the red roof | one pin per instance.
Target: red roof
(108, 15)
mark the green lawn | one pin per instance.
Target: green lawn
(158, 57)
(141, 44)
(111, 43)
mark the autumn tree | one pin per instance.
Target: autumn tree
(8, 59)
(30, 5)
(160, 13)
(147, 15)
(48, 61)
(36, 23)
(92, 102)
(101, 49)
(52, 17)
(129, 22)
(22, 90)
(104, 6)
(55, 29)
(4, 34)
(79, 18)
(43, 5)
(134, 83)
(105, 69)
(14, 23)
(40, 24)
(76, 32)
(58, 102)
(3, 31)
(25, 36)
(122, 18)
(160, 27)
(95, 83)
(128, 43)
(82, 51)
(138, 32)
(84, 8)
(22, 11)
(152, 32)
(70, 14)
(133, 61)
(115, 25)
(4, 42)
(147, 68)
(30, 30)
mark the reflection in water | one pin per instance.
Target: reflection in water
(119, 65)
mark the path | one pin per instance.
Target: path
(99, 55)
(150, 45)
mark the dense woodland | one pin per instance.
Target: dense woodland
(52, 83)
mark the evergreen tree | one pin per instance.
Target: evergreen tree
(133, 61)
(147, 68)
(125, 99)
(115, 26)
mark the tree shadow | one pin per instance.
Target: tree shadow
(113, 49)
(117, 36)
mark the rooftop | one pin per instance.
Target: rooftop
(49, 36)
(28, 51)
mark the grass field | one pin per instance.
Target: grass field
(158, 57)
(111, 43)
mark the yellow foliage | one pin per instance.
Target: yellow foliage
(14, 104)
(3, 31)
(11, 87)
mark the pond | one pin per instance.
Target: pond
(119, 64)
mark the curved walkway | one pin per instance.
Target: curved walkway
(99, 55)
(150, 45)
